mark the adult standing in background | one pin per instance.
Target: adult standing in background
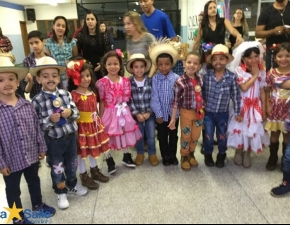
(5, 43)
(79, 29)
(60, 46)
(271, 25)
(103, 29)
(91, 44)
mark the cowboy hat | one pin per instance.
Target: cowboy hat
(6, 66)
(220, 49)
(164, 45)
(135, 57)
(46, 62)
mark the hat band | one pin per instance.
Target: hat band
(219, 53)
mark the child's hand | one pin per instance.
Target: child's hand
(239, 118)
(55, 117)
(66, 113)
(41, 155)
(140, 118)
(146, 115)
(171, 125)
(255, 70)
(98, 67)
(159, 120)
(5, 171)
(29, 78)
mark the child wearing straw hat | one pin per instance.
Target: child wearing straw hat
(164, 54)
(219, 87)
(139, 105)
(22, 142)
(57, 115)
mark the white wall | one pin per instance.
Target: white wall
(48, 12)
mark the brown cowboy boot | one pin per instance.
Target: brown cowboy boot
(97, 175)
(193, 162)
(88, 182)
(185, 165)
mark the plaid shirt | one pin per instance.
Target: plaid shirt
(217, 94)
(184, 94)
(44, 109)
(5, 44)
(21, 138)
(178, 68)
(162, 95)
(140, 96)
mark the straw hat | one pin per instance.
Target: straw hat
(6, 66)
(135, 57)
(46, 62)
(164, 45)
(220, 49)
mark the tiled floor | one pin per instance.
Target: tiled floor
(169, 195)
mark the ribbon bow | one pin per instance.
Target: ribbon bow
(251, 103)
(120, 53)
(73, 71)
(207, 46)
(121, 108)
(274, 46)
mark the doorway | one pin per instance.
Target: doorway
(24, 38)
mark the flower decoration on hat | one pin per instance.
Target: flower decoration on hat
(207, 46)
(73, 71)
(120, 53)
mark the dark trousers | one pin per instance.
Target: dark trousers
(168, 148)
(13, 192)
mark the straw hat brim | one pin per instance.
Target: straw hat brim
(164, 48)
(36, 69)
(20, 71)
(229, 56)
(147, 68)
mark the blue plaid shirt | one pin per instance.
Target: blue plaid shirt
(162, 95)
(140, 96)
(44, 109)
(217, 94)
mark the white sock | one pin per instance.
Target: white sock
(82, 165)
(93, 161)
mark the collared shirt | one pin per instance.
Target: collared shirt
(217, 94)
(162, 95)
(140, 96)
(21, 138)
(44, 109)
(184, 94)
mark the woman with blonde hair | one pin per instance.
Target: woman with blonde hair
(240, 23)
(138, 38)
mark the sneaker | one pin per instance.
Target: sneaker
(111, 164)
(23, 221)
(45, 209)
(283, 189)
(78, 190)
(128, 161)
(62, 201)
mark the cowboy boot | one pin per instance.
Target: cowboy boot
(97, 175)
(185, 165)
(193, 162)
(88, 182)
(273, 158)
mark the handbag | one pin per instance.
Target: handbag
(8, 54)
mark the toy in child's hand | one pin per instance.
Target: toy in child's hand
(56, 106)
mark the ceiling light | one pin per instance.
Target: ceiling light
(53, 2)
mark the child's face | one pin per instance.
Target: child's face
(164, 65)
(219, 62)
(253, 59)
(8, 84)
(192, 65)
(49, 78)
(138, 68)
(59, 27)
(283, 58)
(36, 44)
(113, 66)
(86, 79)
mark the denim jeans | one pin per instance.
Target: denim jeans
(147, 128)
(168, 149)
(286, 158)
(13, 192)
(218, 121)
(62, 153)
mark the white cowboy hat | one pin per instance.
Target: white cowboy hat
(135, 57)
(6, 66)
(220, 49)
(46, 62)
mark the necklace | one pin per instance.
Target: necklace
(281, 13)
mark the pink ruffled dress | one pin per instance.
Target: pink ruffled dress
(119, 125)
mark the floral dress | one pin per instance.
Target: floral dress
(92, 139)
(279, 101)
(121, 128)
(249, 134)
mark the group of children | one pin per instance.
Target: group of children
(68, 127)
